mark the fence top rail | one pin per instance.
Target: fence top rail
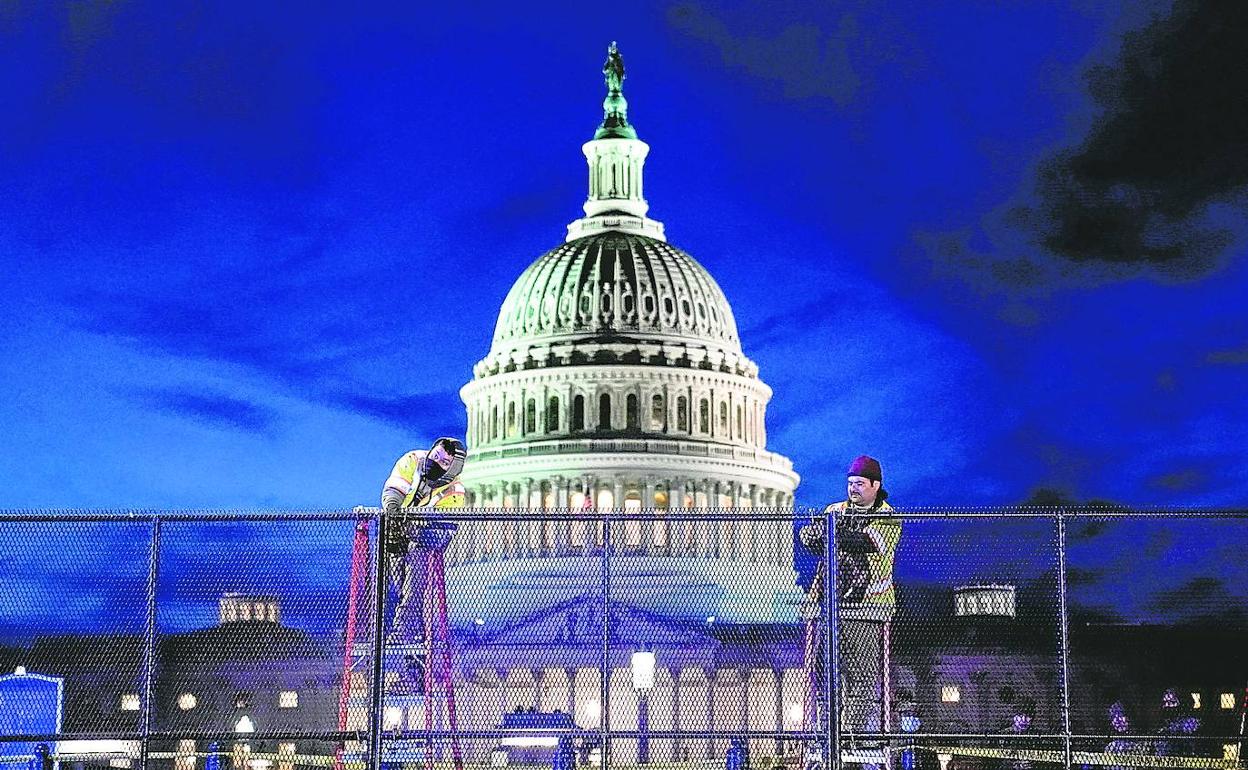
(800, 513)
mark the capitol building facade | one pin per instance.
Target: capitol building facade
(617, 410)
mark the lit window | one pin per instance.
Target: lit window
(1195, 700)
(288, 699)
(1230, 751)
(950, 693)
(1227, 700)
(187, 701)
(184, 759)
(130, 702)
(392, 718)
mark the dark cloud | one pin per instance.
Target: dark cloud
(211, 408)
(1189, 480)
(1231, 357)
(1084, 530)
(1171, 138)
(1158, 183)
(428, 410)
(807, 62)
(1200, 599)
(783, 327)
(1078, 576)
(821, 59)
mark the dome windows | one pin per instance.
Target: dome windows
(704, 416)
(530, 417)
(578, 413)
(656, 412)
(632, 420)
(604, 412)
(552, 414)
(682, 414)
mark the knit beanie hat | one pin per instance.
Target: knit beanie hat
(867, 467)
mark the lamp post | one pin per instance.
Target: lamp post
(642, 665)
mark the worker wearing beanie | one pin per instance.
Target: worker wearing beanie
(866, 546)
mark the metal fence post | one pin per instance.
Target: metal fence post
(1064, 626)
(832, 648)
(604, 683)
(149, 643)
(379, 624)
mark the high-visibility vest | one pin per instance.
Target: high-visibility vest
(403, 478)
(884, 534)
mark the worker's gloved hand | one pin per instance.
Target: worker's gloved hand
(811, 536)
(396, 539)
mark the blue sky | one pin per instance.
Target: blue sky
(977, 241)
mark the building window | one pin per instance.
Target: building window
(530, 417)
(740, 422)
(130, 701)
(1227, 700)
(950, 693)
(552, 414)
(656, 412)
(723, 418)
(286, 756)
(288, 699)
(185, 757)
(631, 419)
(682, 414)
(578, 413)
(494, 422)
(704, 416)
(1195, 700)
(604, 412)
(187, 701)
(511, 420)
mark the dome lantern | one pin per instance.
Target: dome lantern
(616, 159)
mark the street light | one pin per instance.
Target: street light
(642, 665)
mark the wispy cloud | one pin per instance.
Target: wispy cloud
(811, 59)
(210, 408)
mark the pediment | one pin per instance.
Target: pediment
(579, 621)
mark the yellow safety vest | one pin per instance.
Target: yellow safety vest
(403, 478)
(885, 534)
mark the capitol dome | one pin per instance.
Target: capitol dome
(626, 293)
(616, 381)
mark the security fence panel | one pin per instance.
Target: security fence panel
(73, 621)
(972, 642)
(705, 644)
(253, 618)
(528, 624)
(1158, 631)
(619, 637)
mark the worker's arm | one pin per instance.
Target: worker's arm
(399, 484)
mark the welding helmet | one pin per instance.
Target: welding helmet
(443, 462)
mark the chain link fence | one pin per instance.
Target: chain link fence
(1005, 639)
